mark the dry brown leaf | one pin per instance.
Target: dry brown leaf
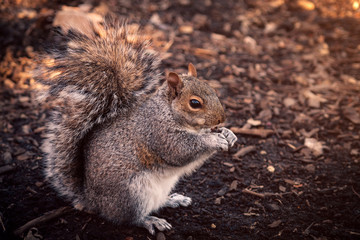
(315, 146)
(233, 185)
(351, 114)
(275, 224)
(288, 102)
(78, 19)
(313, 99)
(23, 157)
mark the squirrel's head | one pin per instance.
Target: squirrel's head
(194, 103)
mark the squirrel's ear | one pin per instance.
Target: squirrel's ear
(175, 83)
(192, 70)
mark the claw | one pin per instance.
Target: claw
(150, 221)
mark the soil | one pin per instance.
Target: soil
(288, 73)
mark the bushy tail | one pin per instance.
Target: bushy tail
(97, 77)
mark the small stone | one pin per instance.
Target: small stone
(263, 152)
(213, 226)
(271, 169)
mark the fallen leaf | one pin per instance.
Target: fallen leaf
(78, 19)
(233, 185)
(265, 115)
(23, 157)
(218, 201)
(315, 146)
(288, 102)
(275, 224)
(351, 114)
(313, 100)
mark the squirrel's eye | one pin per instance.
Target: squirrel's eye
(195, 103)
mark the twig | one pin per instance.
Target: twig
(254, 132)
(243, 151)
(253, 193)
(352, 187)
(42, 219)
(298, 148)
(2, 223)
(307, 230)
(263, 195)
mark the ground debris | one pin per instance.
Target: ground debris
(243, 151)
(290, 87)
(255, 132)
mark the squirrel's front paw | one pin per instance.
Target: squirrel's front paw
(221, 144)
(229, 135)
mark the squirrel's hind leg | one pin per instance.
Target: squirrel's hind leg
(175, 200)
(149, 222)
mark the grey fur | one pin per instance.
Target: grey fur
(120, 139)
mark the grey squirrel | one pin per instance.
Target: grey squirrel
(121, 136)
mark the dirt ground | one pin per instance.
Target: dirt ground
(288, 73)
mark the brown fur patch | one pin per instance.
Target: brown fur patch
(147, 157)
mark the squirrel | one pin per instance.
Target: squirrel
(121, 135)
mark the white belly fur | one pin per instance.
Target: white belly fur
(156, 186)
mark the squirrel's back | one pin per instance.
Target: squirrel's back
(97, 77)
